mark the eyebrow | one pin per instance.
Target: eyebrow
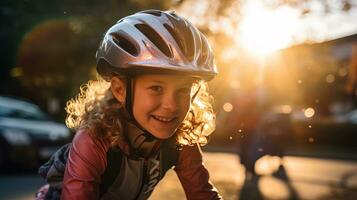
(185, 83)
(157, 81)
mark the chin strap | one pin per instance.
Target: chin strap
(129, 98)
(195, 95)
(143, 143)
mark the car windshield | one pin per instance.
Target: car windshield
(21, 109)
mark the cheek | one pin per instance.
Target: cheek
(185, 105)
(146, 104)
(143, 104)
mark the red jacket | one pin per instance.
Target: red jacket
(88, 159)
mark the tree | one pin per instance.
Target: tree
(56, 44)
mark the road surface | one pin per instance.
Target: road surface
(297, 178)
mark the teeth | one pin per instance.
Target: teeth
(164, 119)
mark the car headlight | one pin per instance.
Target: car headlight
(16, 137)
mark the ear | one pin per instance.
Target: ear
(118, 88)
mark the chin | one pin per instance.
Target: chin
(163, 135)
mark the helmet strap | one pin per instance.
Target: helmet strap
(129, 98)
(129, 102)
(143, 142)
(195, 95)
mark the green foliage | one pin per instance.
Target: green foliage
(53, 43)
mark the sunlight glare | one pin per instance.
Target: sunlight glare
(274, 188)
(264, 31)
(267, 165)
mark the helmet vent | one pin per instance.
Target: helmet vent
(124, 43)
(155, 38)
(204, 52)
(190, 44)
(175, 36)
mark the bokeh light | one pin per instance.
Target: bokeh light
(228, 107)
(309, 112)
(330, 78)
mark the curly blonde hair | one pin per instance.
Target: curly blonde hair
(96, 109)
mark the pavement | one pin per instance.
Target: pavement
(292, 177)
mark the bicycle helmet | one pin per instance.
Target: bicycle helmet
(155, 41)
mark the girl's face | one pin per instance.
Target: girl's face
(161, 102)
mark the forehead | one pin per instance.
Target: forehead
(169, 79)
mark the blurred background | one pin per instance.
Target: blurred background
(285, 98)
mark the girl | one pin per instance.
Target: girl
(150, 106)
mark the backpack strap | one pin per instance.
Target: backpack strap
(114, 160)
(170, 155)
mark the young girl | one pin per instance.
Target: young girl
(151, 105)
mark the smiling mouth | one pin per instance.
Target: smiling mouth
(164, 119)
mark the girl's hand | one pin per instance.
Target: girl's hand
(41, 193)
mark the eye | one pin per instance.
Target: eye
(156, 88)
(186, 90)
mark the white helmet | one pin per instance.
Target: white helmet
(155, 41)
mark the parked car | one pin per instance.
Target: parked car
(27, 134)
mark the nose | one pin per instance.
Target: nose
(170, 102)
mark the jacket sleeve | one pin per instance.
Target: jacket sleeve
(86, 162)
(194, 176)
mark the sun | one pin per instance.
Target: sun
(263, 31)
